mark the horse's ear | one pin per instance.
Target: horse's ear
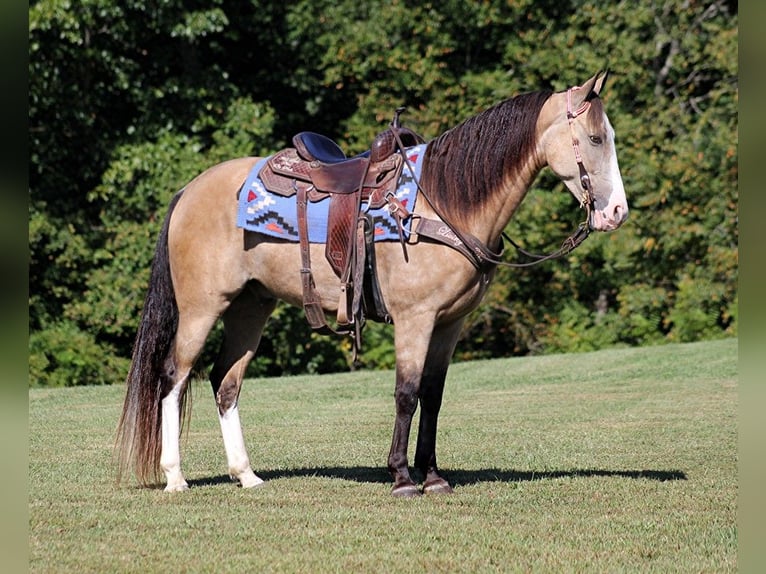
(589, 90)
(598, 84)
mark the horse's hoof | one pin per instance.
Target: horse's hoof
(405, 491)
(180, 487)
(440, 486)
(248, 479)
(254, 483)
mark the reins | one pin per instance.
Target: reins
(474, 249)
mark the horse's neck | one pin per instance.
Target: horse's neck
(490, 223)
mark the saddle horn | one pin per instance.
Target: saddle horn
(395, 122)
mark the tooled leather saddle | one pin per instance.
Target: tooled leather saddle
(316, 168)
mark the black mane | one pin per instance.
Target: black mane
(465, 165)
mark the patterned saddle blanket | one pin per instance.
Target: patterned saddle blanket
(261, 211)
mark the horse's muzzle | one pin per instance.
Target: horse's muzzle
(610, 218)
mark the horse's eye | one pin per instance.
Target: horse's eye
(596, 140)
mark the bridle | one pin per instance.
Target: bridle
(587, 197)
(479, 254)
(586, 200)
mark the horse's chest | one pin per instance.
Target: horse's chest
(468, 298)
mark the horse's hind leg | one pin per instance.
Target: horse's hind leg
(243, 324)
(188, 343)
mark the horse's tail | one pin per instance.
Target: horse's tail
(139, 432)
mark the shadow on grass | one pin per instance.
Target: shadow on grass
(455, 477)
(463, 477)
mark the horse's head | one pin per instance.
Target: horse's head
(579, 147)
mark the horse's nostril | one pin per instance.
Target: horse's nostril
(620, 213)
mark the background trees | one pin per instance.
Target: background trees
(130, 100)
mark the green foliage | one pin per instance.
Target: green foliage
(130, 100)
(378, 347)
(643, 309)
(63, 355)
(673, 105)
(288, 347)
(696, 311)
(576, 329)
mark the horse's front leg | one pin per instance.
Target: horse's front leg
(406, 398)
(432, 389)
(412, 340)
(440, 352)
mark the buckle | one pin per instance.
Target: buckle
(413, 237)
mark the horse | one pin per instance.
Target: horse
(205, 268)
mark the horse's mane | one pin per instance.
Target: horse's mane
(465, 165)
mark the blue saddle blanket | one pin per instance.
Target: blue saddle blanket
(270, 214)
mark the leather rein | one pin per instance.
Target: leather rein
(481, 256)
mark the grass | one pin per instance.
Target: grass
(614, 461)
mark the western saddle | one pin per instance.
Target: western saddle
(316, 168)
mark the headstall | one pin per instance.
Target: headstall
(479, 254)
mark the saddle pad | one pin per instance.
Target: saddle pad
(261, 211)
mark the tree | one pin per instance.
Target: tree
(130, 100)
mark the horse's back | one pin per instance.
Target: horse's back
(212, 259)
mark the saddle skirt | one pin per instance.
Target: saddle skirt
(261, 211)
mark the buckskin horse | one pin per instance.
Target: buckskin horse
(205, 268)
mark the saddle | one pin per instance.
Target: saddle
(316, 168)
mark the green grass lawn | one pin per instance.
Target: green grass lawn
(615, 461)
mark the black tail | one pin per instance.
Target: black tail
(139, 437)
